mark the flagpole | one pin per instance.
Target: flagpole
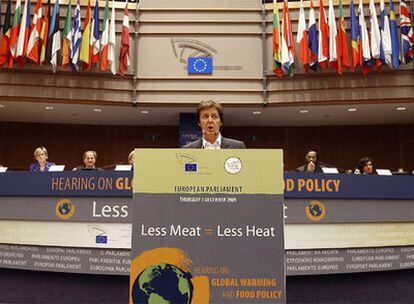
(264, 56)
(135, 68)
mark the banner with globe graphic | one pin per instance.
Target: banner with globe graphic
(207, 227)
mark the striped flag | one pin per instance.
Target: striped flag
(76, 39)
(67, 36)
(105, 38)
(112, 41)
(343, 51)
(44, 33)
(277, 45)
(365, 52)
(23, 34)
(94, 41)
(85, 52)
(407, 34)
(355, 38)
(386, 48)
(334, 61)
(313, 39)
(124, 61)
(302, 38)
(288, 44)
(54, 34)
(375, 34)
(5, 39)
(15, 33)
(323, 39)
(33, 46)
(395, 44)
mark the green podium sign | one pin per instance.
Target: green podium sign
(207, 227)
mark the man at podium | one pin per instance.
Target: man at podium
(210, 120)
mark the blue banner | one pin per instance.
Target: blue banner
(69, 183)
(341, 186)
(118, 183)
(189, 129)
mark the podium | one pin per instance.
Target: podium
(208, 227)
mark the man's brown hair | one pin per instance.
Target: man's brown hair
(206, 104)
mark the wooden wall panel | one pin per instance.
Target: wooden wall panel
(391, 146)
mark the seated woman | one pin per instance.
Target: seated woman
(42, 165)
(366, 166)
(131, 157)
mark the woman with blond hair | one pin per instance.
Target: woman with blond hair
(42, 165)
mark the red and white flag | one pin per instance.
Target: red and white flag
(302, 38)
(124, 52)
(334, 60)
(33, 46)
(323, 38)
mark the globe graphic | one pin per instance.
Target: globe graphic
(162, 283)
(316, 210)
(65, 208)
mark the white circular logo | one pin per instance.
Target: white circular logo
(233, 165)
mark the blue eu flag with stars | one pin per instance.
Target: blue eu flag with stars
(200, 65)
(190, 167)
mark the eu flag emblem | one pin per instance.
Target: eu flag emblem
(190, 167)
(200, 65)
(101, 239)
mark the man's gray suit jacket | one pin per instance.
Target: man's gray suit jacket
(226, 143)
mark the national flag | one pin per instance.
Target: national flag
(54, 36)
(407, 34)
(288, 44)
(0, 13)
(76, 39)
(105, 38)
(395, 45)
(277, 45)
(45, 33)
(15, 33)
(67, 36)
(355, 37)
(323, 38)
(342, 45)
(334, 61)
(124, 61)
(302, 38)
(375, 34)
(94, 41)
(312, 38)
(112, 41)
(386, 48)
(23, 34)
(85, 53)
(365, 52)
(5, 39)
(33, 45)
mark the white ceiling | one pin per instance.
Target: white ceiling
(234, 116)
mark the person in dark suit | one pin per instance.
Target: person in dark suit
(210, 120)
(366, 166)
(312, 165)
(89, 159)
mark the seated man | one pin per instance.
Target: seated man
(210, 120)
(89, 160)
(311, 165)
